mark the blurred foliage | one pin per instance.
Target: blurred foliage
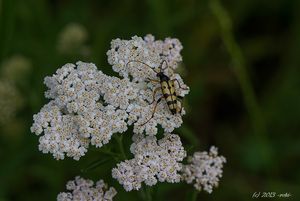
(241, 62)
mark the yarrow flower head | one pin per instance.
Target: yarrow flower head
(10, 101)
(72, 40)
(140, 59)
(153, 161)
(85, 190)
(148, 51)
(87, 107)
(12, 72)
(15, 68)
(77, 114)
(204, 169)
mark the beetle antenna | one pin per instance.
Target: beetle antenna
(141, 63)
(167, 65)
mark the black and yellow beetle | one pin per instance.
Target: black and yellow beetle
(167, 88)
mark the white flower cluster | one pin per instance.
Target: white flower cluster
(87, 106)
(15, 68)
(84, 190)
(10, 101)
(72, 40)
(204, 170)
(153, 161)
(77, 116)
(140, 59)
(149, 51)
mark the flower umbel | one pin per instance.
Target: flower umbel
(15, 68)
(85, 190)
(204, 169)
(77, 115)
(87, 107)
(153, 161)
(139, 59)
(72, 40)
(10, 101)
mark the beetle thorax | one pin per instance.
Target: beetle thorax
(162, 77)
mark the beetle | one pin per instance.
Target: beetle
(167, 88)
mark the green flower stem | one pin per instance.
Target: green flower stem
(95, 164)
(112, 154)
(121, 146)
(7, 25)
(146, 193)
(239, 66)
(194, 195)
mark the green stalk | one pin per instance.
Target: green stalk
(7, 25)
(146, 193)
(239, 66)
(121, 146)
(195, 195)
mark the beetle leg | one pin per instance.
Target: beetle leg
(153, 81)
(154, 93)
(179, 84)
(180, 98)
(152, 112)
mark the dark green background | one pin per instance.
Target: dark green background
(242, 65)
